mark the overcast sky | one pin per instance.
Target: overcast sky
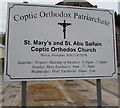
(106, 4)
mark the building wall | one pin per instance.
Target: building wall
(2, 56)
(118, 45)
(79, 4)
(119, 7)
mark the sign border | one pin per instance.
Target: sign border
(52, 6)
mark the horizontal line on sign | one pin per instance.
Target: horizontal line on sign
(63, 77)
(72, 7)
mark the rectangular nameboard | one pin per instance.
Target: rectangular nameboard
(47, 42)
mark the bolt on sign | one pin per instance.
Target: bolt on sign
(46, 42)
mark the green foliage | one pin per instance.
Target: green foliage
(2, 39)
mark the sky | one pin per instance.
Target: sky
(106, 4)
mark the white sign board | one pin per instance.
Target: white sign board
(57, 42)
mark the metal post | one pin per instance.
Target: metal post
(24, 93)
(99, 94)
(24, 88)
